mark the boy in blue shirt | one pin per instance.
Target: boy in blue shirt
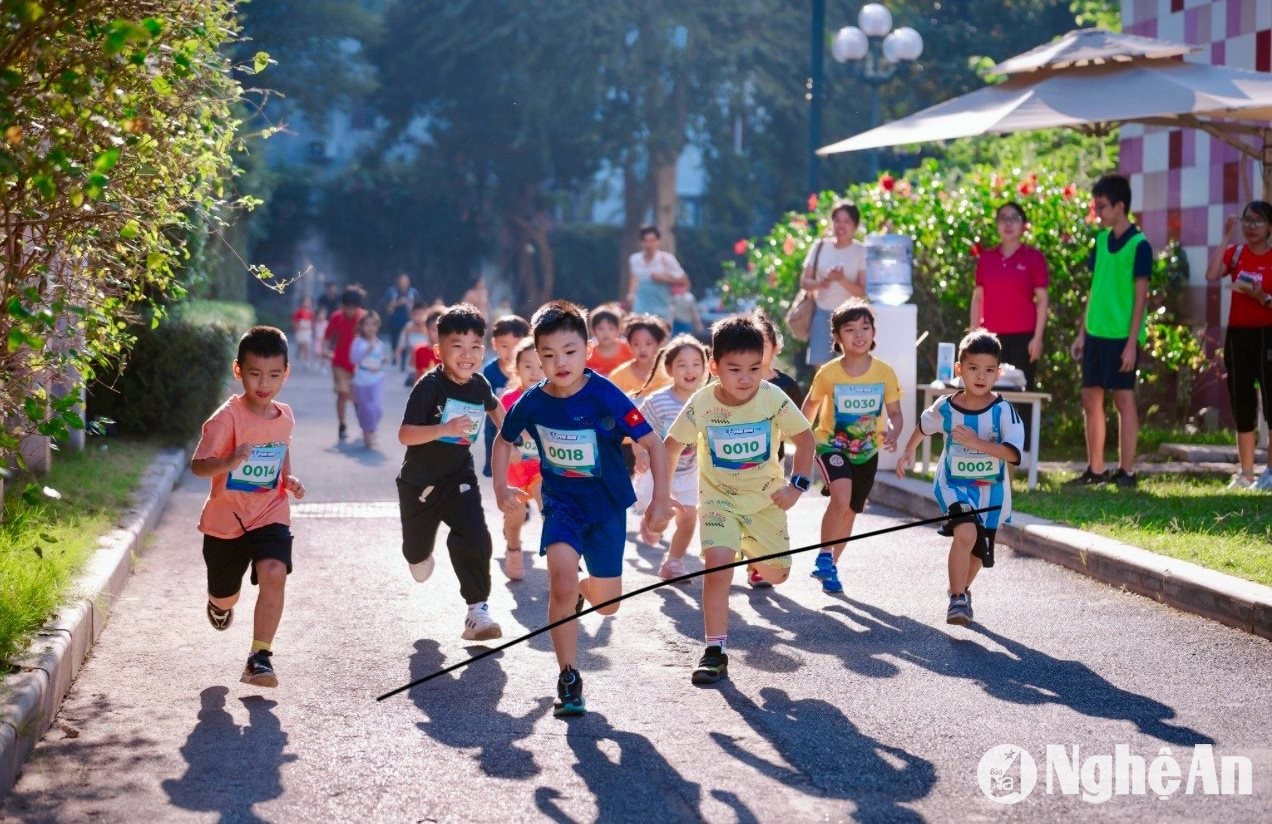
(577, 419)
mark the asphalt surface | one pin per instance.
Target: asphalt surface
(864, 705)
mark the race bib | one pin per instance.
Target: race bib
(261, 470)
(527, 450)
(475, 413)
(738, 446)
(855, 400)
(571, 453)
(972, 465)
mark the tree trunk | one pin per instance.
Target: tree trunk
(636, 201)
(665, 200)
(536, 261)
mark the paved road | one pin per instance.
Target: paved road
(864, 705)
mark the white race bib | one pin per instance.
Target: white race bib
(475, 413)
(261, 470)
(571, 453)
(738, 446)
(972, 465)
(855, 400)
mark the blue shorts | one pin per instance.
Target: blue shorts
(1102, 364)
(599, 542)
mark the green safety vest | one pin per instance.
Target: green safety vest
(1113, 289)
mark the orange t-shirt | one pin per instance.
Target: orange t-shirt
(251, 495)
(626, 379)
(602, 365)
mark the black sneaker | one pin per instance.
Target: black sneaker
(946, 529)
(344, 432)
(570, 693)
(259, 672)
(713, 666)
(1124, 479)
(220, 619)
(1089, 478)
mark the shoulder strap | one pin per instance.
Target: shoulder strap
(1236, 255)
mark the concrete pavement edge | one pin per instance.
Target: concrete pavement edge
(1227, 599)
(31, 696)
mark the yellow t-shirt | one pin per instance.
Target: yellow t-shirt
(625, 378)
(737, 445)
(853, 413)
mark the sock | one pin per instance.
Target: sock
(480, 606)
(217, 610)
(717, 641)
(259, 646)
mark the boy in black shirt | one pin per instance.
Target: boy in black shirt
(437, 483)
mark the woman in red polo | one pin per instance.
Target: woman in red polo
(1247, 347)
(1010, 298)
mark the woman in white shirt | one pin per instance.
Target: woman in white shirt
(653, 274)
(834, 271)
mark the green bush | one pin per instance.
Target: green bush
(174, 378)
(950, 214)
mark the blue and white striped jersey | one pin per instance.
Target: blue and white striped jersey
(968, 475)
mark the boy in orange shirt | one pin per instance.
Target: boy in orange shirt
(247, 517)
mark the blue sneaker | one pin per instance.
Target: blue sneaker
(569, 693)
(830, 581)
(825, 565)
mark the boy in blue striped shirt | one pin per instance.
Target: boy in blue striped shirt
(981, 431)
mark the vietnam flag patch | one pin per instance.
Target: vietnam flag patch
(633, 419)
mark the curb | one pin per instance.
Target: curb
(1185, 586)
(31, 697)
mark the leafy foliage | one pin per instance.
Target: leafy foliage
(118, 126)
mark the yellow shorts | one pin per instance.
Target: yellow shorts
(754, 535)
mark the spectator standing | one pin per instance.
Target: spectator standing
(834, 271)
(397, 302)
(653, 273)
(1247, 346)
(329, 300)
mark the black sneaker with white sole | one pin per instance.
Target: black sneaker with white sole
(713, 666)
(259, 671)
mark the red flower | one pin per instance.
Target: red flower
(1026, 188)
(812, 202)
(788, 246)
(887, 182)
(976, 250)
(741, 246)
(1069, 192)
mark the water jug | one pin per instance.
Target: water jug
(889, 268)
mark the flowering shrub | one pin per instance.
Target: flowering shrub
(950, 215)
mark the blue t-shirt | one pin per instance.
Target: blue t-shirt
(578, 439)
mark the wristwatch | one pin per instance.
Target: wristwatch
(801, 483)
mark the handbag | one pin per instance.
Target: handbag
(799, 318)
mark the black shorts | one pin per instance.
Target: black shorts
(835, 466)
(1102, 364)
(228, 558)
(984, 546)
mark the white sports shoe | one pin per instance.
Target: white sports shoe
(423, 570)
(1264, 482)
(1240, 481)
(479, 626)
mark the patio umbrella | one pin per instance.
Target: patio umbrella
(1093, 77)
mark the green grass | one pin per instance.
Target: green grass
(43, 546)
(238, 317)
(1193, 518)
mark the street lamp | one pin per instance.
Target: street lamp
(879, 52)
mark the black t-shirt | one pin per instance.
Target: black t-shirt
(788, 385)
(436, 399)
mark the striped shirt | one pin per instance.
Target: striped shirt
(660, 409)
(968, 475)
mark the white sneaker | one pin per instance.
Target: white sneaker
(479, 626)
(1240, 481)
(423, 570)
(1264, 483)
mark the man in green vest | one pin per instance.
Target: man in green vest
(1113, 330)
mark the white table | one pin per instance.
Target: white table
(1034, 399)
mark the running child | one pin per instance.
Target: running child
(414, 335)
(303, 330)
(424, 356)
(342, 328)
(577, 419)
(685, 360)
(773, 348)
(855, 401)
(246, 519)
(369, 356)
(735, 424)
(645, 334)
(504, 335)
(523, 468)
(437, 483)
(981, 432)
(609, 350)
